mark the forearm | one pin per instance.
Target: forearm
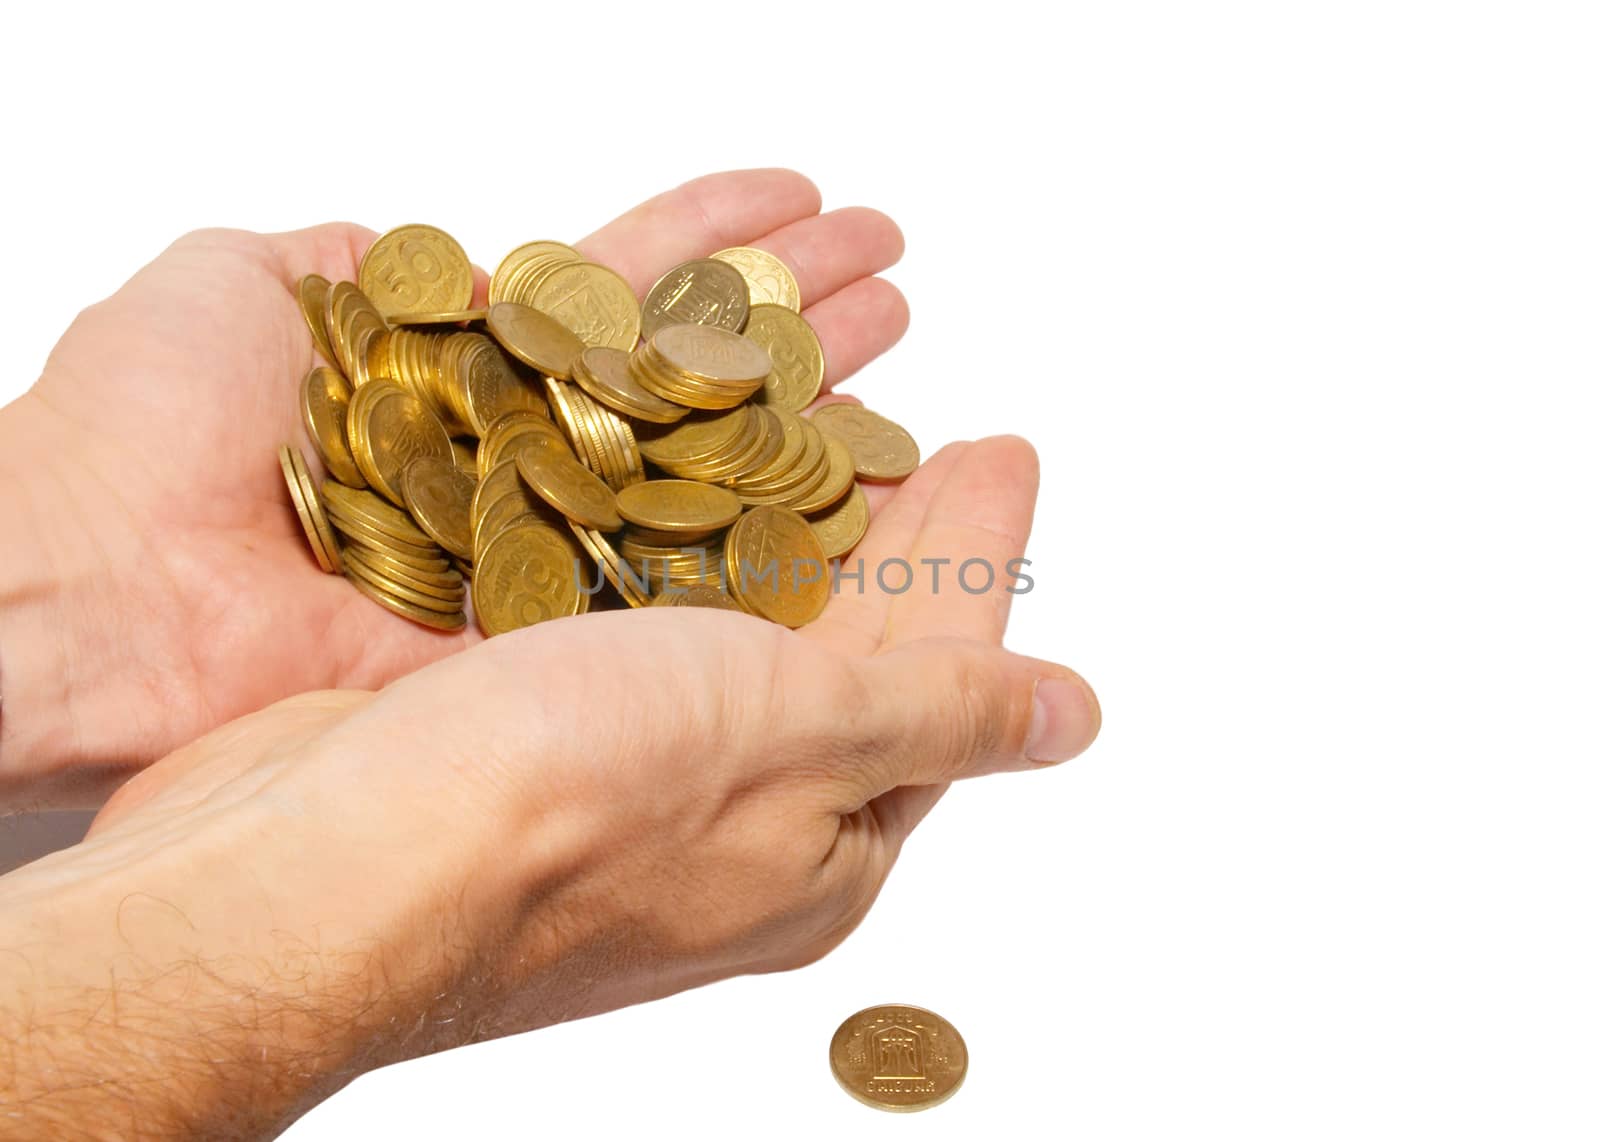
(142, 994)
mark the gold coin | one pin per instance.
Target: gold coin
(491, 387)
(535, 338)
(603, 373)
(501, 497)
(708, 353)
(353, 323)
(696, 595)
(361, 564)
(438, 495)
(450, 317)
(513, 263)
(375, 513)
(439, 620)
(297, 496)
(776, 568)
(796, 375)
(840, 527)
(839, 479)
(312, 293)
(592, 301)
(678, 505)
(314, 507)
(898, 1057)
(526, 575)
(508, 432)
(416, 269)
(324, 408)
(389, 428)
(445, 585)
(631, 586)
(702, 292)
(881, 449)
(568, 486)
(769, 279)
(692, 437)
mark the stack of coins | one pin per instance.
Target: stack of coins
(538, 456)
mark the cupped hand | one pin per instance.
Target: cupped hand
(167, 587)
(579, 815)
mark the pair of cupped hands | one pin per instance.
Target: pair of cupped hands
(434, 837)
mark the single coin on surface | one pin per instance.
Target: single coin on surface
(898, 1057)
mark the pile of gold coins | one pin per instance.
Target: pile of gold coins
(567, 445)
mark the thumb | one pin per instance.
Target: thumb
(944, 709)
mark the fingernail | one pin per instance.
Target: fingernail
(1066, 718)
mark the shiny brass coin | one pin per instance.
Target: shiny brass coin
(515, 261)
(421, 557)
(513, 511)
(312, 294)
(768, 278)
(316, 509)
(628, 583)
(526, 575)
(509, 432)
(898, 1057)
(324, 408)
(353, 324)
(702, 292)
(568, 486)
(784, 470)
(416, 269)
(691, 438)
(363, 565)
(795, 378)
(709, 354)
(592, 301)
(776, 568)
(842, 526)
(696, 595)
(881, 449)
(373, 512)
(841, 477)
(678, 505)
(604, 374)
(320, 550)
(448, 317)
(501, 497)
(674, 539)
(465, 451)
(445, 585)
(535, 338)
(490, 387)
(438, 620)
(389, 428)
(438, 495)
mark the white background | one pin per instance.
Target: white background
(1299, 303)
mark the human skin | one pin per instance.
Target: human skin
(581, 815)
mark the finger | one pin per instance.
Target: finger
(856, 615)
(832, 250)
(332, 249)
(699, 218)
(856, 325)
(944, 709)
(975, 526)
